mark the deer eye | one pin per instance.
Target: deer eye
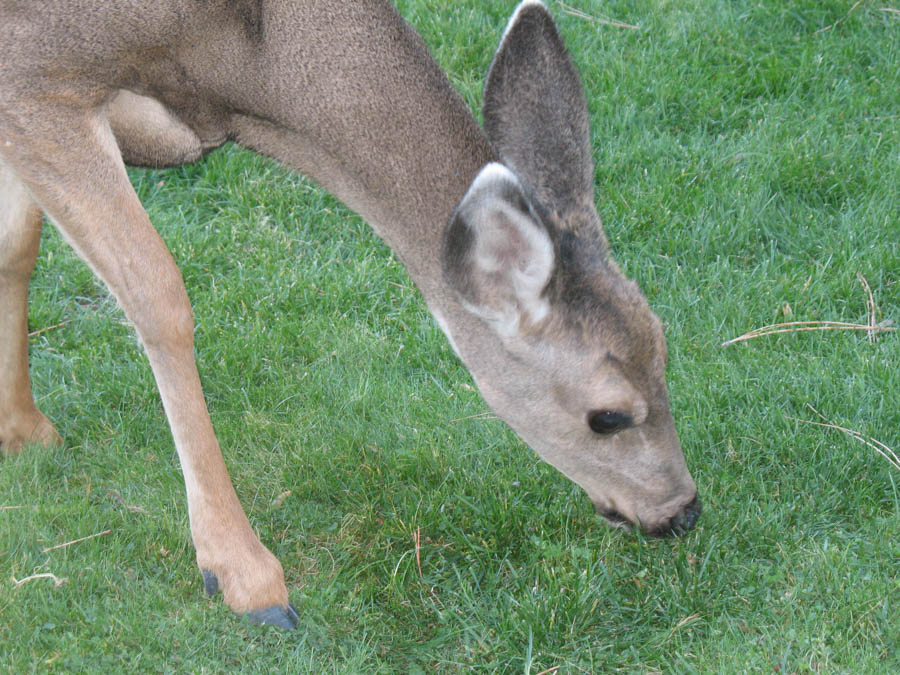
(607, 421)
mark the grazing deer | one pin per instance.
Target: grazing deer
(497, 227)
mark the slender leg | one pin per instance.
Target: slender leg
(74, 171)
(20, 233)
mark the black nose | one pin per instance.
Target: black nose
(681, 522)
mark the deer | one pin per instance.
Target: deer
(496, 226)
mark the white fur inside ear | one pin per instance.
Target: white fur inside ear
(530, 271)
(515, 16)
(511, 250)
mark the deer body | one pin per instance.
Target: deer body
(498, 231)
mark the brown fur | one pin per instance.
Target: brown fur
(511, 259)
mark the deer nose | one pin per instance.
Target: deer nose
(681, 522)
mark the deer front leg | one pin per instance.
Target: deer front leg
(229, 554)
(82, 185)
(20, 232)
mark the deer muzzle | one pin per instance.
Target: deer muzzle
(678, 524)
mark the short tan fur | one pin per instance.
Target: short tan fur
(496, 226)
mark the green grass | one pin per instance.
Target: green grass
(747, 172)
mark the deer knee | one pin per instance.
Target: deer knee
(170, 326)
(161, 312)
(20, 227)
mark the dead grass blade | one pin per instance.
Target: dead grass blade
(134, 509)
(873, 443)
(48, 328)
(57, 581)
(418, 539)
(571, 11)
(75, 541)
(871, 327)
(841, 20)
(478, 416)
(799, 326)
(870, 307)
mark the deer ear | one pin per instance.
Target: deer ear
(535, 113)
(498, 255)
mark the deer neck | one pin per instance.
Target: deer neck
(376, 122)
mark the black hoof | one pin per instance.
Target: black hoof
(283, 617)
(210, 582)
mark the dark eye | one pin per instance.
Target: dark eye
(607, 421)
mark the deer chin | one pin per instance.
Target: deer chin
(680, 523)
(613, 518)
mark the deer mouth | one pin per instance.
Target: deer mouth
(613, 517)
(679, 524)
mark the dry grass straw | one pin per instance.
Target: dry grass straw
(872, 327)
(549, 671)
(800, 326)
(870, 308)
(75, 541)
(48, 328)
(842, 19)
(875, 444)
(57, 581)
(566, 9)
(417, 537)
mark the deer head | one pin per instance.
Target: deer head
(577, 362)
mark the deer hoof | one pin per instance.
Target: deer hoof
(283, 617)
(33, 428)
(210, 582)
(276, 615)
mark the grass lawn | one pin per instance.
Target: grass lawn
(747, 169)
